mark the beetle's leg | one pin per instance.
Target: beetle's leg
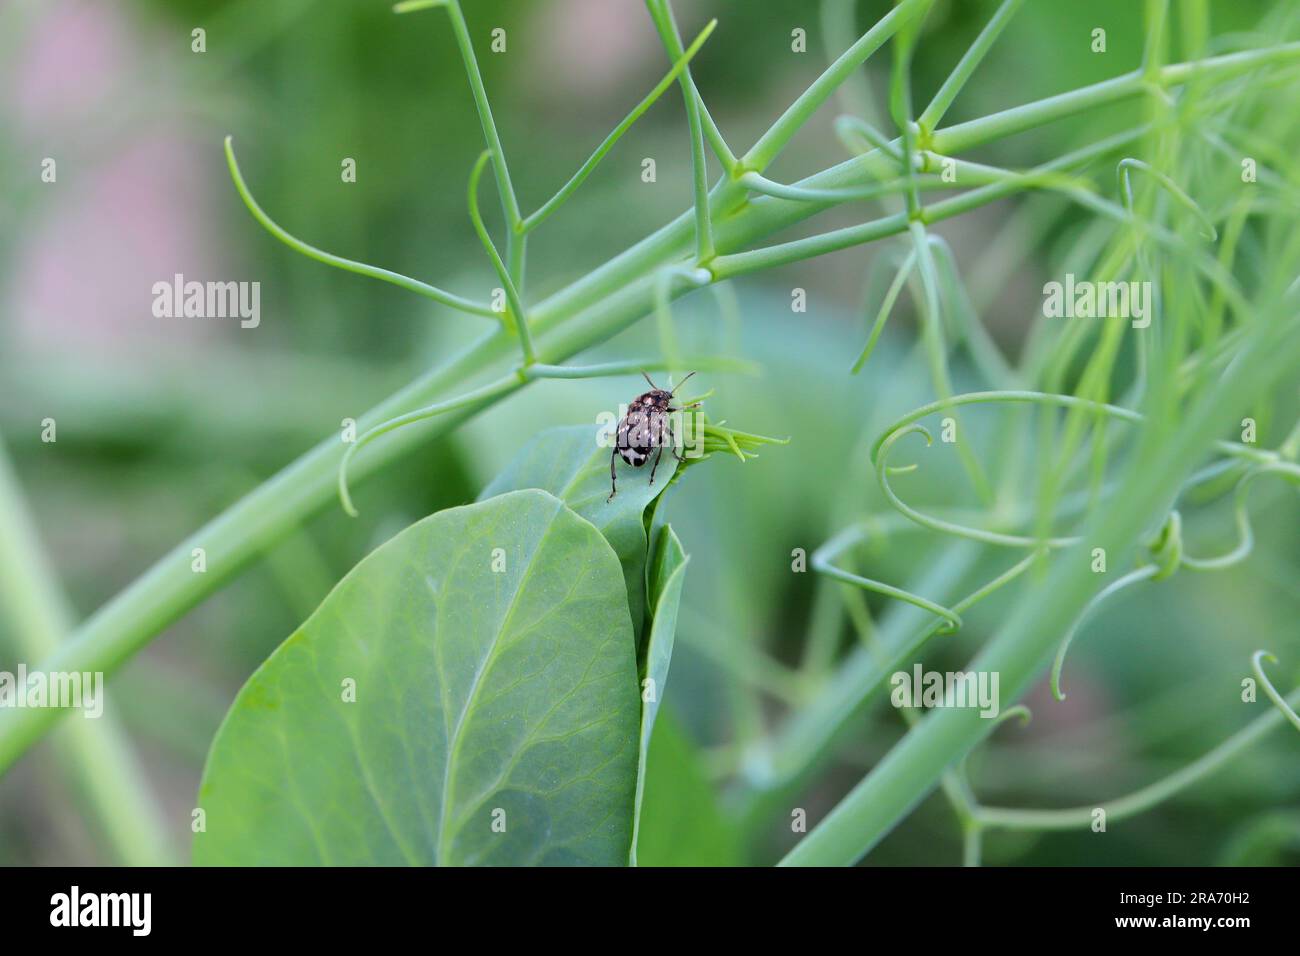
(659, 455)
(672, 442)
(613, 481)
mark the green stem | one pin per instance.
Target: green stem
(96, 754)
(972, 843)
(509, 203)
(704, 248)
(662, 16)
(967, 65)
(727, 266)
(965, 136)
(707, 363)
(761, 184)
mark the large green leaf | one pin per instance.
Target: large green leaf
(667, 574)
(568, 462)
(482, 696)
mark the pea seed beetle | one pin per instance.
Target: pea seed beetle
(645, 429)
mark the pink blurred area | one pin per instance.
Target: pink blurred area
(588, 46)
(126, 210)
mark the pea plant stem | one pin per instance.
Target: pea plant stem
(95, 753)
(586, 313)
(662, 14)
(509, 203)
(966, 66)
(964, 136)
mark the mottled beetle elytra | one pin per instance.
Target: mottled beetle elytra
(645, 429)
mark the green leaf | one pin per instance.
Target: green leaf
(477, 692)
(667, 574)
(681, 823)
(569, 463)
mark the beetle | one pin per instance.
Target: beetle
(645, 429)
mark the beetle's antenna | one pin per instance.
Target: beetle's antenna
(681, 383)
(652, 384)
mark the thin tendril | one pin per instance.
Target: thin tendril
(348, 265)
(907, 425)
(1145, 798)
(663, 288)
(985, 352)
(1143, 573)
(761, 184)
(1011, 396)
(512, 294)
(1019, 710)
(939, 524)
(822, 562)
(1245, 534)
(1171, 187)
(936, 348)
(1016, 710)
(886, 307)
(823, 558)
(848, 126)
(516, 240)
(555, 202)
(493, 390)
(1287, 711)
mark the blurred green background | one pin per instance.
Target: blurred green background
(163, 422)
